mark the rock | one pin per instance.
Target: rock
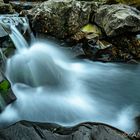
(22, 5)
(91, 31)
(78, 36)
(100, 50)
(117, 19)
(77, 51)
(6, 8)
(6, 94)
(133, 61)
(47, 131)
(135, 3)
(3, 31)
(128, 46)
(61, 18)
(137, 120)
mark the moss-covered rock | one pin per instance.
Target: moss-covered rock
(6, 94)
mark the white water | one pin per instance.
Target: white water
(52, 88)
(18, 39)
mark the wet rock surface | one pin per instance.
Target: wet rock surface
(117, 19)
(37, 131)
(6, 94)
(99, 27)
(20, 6)
(6, 8)
(134, 3)
(61, 18)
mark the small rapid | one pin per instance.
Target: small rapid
(50, 87)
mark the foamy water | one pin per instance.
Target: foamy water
(52, 88)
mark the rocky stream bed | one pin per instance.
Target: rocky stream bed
(98, 30)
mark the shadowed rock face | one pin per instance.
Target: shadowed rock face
(45, 131)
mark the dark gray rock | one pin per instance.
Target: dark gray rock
(45, 131)
(118, 19)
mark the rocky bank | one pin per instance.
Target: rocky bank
(98, 25)
(99, 30)
(46, 131)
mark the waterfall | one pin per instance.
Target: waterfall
(50, 87)
(18, 39)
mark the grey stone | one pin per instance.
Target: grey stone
(117, 19)
(45, 131)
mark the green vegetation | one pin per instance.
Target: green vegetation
(4, 88)
(4, 85)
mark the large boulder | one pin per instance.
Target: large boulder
(61, 18)
(135, 3)
(45, 131)
(6, 8)
(117, 19)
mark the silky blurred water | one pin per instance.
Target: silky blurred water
(52, 88)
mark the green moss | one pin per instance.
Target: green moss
(4, 88)
(4, 85)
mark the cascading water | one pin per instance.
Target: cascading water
(50, 87)
(18, 39)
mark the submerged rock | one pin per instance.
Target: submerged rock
(47, 131)
(61, 18)
(118, 19)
